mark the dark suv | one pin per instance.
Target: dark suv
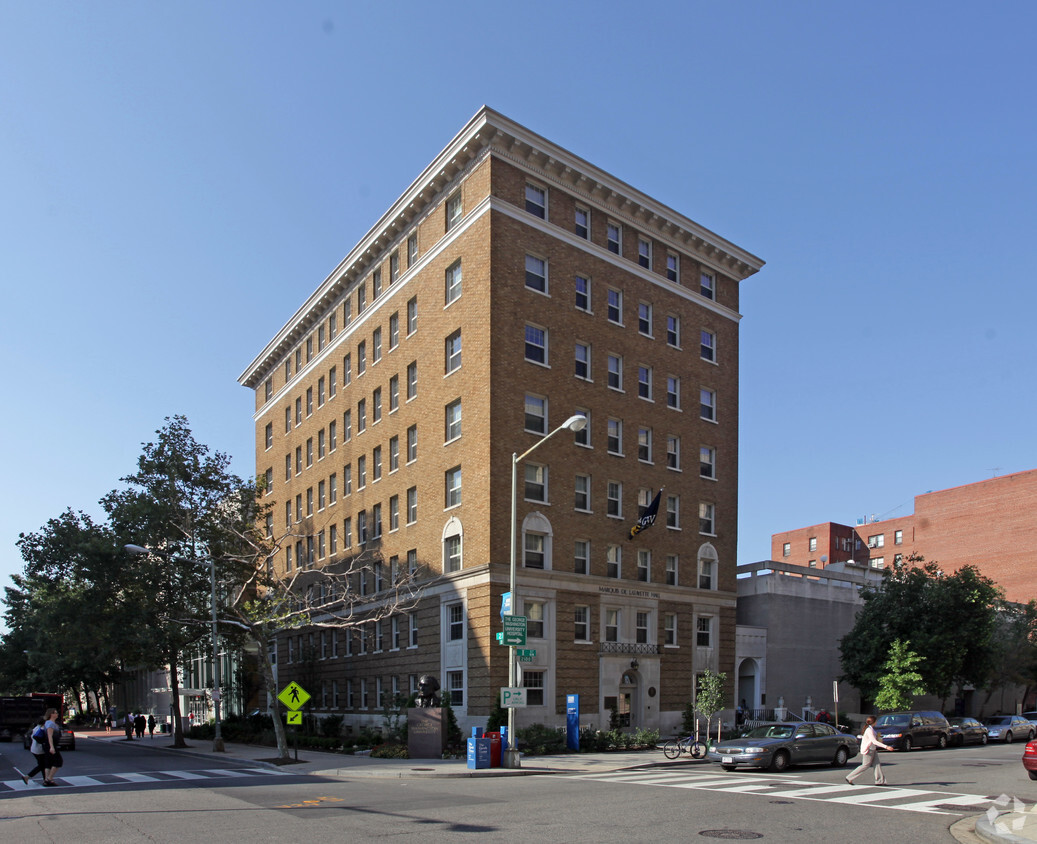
(919, 728)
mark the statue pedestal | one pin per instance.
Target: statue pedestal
(426, 736)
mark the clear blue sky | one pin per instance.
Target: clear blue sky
(176, 178)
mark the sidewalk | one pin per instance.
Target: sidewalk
(1013, 826)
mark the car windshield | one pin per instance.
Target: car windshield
(998, 722)
(893, 721)
(771, 731)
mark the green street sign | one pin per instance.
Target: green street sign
(525, 653)
(514, 630)
(500, 638)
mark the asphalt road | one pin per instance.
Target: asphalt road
(675, 803)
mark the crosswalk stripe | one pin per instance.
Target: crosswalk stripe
(900, 798)
(82, 781)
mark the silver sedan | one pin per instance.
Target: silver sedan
(776, 746)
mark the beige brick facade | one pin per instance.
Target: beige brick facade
(400, 332)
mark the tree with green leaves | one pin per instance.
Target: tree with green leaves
(1014, 661)
(709, 697)
(174, 505)
(900, 681)
(950, 620)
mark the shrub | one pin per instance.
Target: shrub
(390, 750)
(538, 740)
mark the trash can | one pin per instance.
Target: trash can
(478, 753)
(495, 747)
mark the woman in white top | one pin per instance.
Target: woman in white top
(870, 745)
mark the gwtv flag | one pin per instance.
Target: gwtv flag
(647, 517)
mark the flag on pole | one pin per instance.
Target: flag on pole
(648, 516)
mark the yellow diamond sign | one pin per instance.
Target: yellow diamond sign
(294, 696)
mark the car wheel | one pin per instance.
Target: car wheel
(1030, 736)
(983, 739)
(907, 744)
(729, 767)
(1008, 737)
(841, 755)
(941, 742)
(1033, 774)
(780, 761)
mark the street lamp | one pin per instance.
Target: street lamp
(576, 422)
(217, 738)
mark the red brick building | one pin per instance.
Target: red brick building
(991, 524)
(573, 293)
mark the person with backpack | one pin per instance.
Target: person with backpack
(36, 749)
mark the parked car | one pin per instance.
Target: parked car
(67, 741)
(907, 730)
(1030, 759)
(1008, 728)
(966, 730)
(776, 746)
(1031, 717)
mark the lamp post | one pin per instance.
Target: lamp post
(576, 422)
(217, 738)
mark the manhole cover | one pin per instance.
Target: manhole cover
(731, 834)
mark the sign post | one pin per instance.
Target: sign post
(294, 697)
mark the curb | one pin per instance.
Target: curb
(997, 831)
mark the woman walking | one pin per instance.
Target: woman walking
(52, 758)
(870, 745)
(36, 749)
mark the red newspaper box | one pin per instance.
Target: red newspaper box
(494, 748)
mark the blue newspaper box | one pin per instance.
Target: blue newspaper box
(478, 753)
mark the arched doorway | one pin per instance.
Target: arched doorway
(748, 684)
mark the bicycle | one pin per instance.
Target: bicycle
(690, 745)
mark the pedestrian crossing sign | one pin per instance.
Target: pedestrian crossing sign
(294, 718)
(294, 696)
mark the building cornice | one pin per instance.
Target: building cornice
(490, 132)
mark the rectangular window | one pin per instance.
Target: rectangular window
(582, 223)
(332, 377)
(536, 344)
(394, 512)
(452, 553)
(361, 471)
(615, 372)
(536, 273)
(455, 622)
(412, 505)
(454, 210)
(453, 487)
(644, 252)
(673, 511)
(455, 687)
(613, 238)
(412, 315)
(394, 453)
(376, 463)
(453, 282)
(708, 405)
(614, 499)
(347, 425)
(706, 574)
(536, 414)
(583, 493)
(347, 370)
(453, 352)
(412, 443)
(394, 267)
(703, 631)
(268, 434)
(534, 619)
(581, 556)
(376, 345)
(673, 452)
(708, 463)
(581, 623)
(583, 436)
(706, 287)
(670, 629)
(706, 517)
(412, 380)
(309, 452)
(322, 444)
(615, 306)
(394, 331)
(641, 624)
(615, 436)
(536, 201)
(361, 416)
(583, 361)
(320, 391)
(412, 628)
(644, 382)
(453, 420)
(709, 346)
(644, 563)
(376, 283)
(673, 267)
(361, 358)
(412, 249)
(611, 625)
(672, 562)
(644, 444)
(583, 293)
(644, 318)
(361, 297)
(394, 393)
(533, 551)
(536, 482)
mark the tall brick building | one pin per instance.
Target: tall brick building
(511, 286)
(990, 524)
